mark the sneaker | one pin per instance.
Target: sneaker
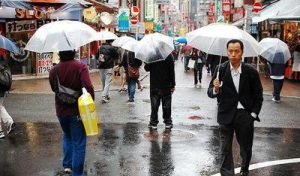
(68, 170)
(104, 100)
(152, 127)
(2, 135)
(276, 101)
(11, 128)
(168, 127)
(130, 101)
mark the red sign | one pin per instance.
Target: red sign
(134, 20)
(226, 7)
(135, 10)
(256, 7)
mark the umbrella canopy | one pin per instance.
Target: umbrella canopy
(61, 36)
(213, 38)
(274, 50)
(181, 40)
(106, 35)
(6, 44)
(154, 47)
(122, 40)
(130, 45)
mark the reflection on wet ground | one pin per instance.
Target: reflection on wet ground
(132, 150)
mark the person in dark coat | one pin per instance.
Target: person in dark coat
(129, 59)
(74, 75)
(239, 94)
(277, 70)
(162, 85)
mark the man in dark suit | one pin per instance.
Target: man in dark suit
(238, 89)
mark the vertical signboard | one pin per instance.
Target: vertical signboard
(218, 6)
(149, 9)
(226, 7)
(123, 19)
(44, 63)
(211, 13)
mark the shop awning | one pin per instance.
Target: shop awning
(273, 10)
(29, 4)
(293, 14)
(102, 7)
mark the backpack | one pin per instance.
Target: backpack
(5, 78)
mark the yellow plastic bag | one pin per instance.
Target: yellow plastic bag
(88, 113)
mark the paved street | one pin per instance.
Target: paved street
(126, 147)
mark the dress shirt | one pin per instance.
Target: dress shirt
(236, 74)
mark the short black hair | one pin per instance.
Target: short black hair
(67, 55)
(236, 41)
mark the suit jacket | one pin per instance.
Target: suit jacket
(250, 93)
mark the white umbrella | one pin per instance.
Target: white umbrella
(106, 35)
(274, 50)
(61, 36)
(122, 40)
(154, 47)
(130, 45)
(213, 38)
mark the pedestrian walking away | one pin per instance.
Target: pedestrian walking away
(277, 71)
(106, 56)
(162, 85)
(7, 124)
(199, 58)
(239, 94)
(74, 75)
(131, 66)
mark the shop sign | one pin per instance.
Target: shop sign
(25, 25)
(211, 14)
(149, 11)
(218, 8)
(162, 1)
(34, 14)
(23, 55)
(44, 62)
(226, 7)
(123, 19)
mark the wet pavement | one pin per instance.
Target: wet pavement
(126, 147)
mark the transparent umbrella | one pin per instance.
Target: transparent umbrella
(61, 36)
(213, 38)
(122, 40)
(274, 50)
(154, 47)
(7, 44)
(130, 45)
(106, 35)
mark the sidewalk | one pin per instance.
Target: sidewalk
(41, 85)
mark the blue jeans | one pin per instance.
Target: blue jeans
(131, 88)
(74, 143)
(186, 62)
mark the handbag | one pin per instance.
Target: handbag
(65, 94)
(133, 72)
(191, 63)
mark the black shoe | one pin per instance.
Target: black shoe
(168, 126)
(244, 173)
(152, 127)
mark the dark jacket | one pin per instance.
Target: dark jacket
(110, 56)
(162, 73)
(277, 69)
(75, 75)
(250, 93)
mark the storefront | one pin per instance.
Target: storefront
(19, 25)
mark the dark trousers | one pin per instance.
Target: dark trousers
(198, 72)
(277, 86)
(157, 95)
(243, 127)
